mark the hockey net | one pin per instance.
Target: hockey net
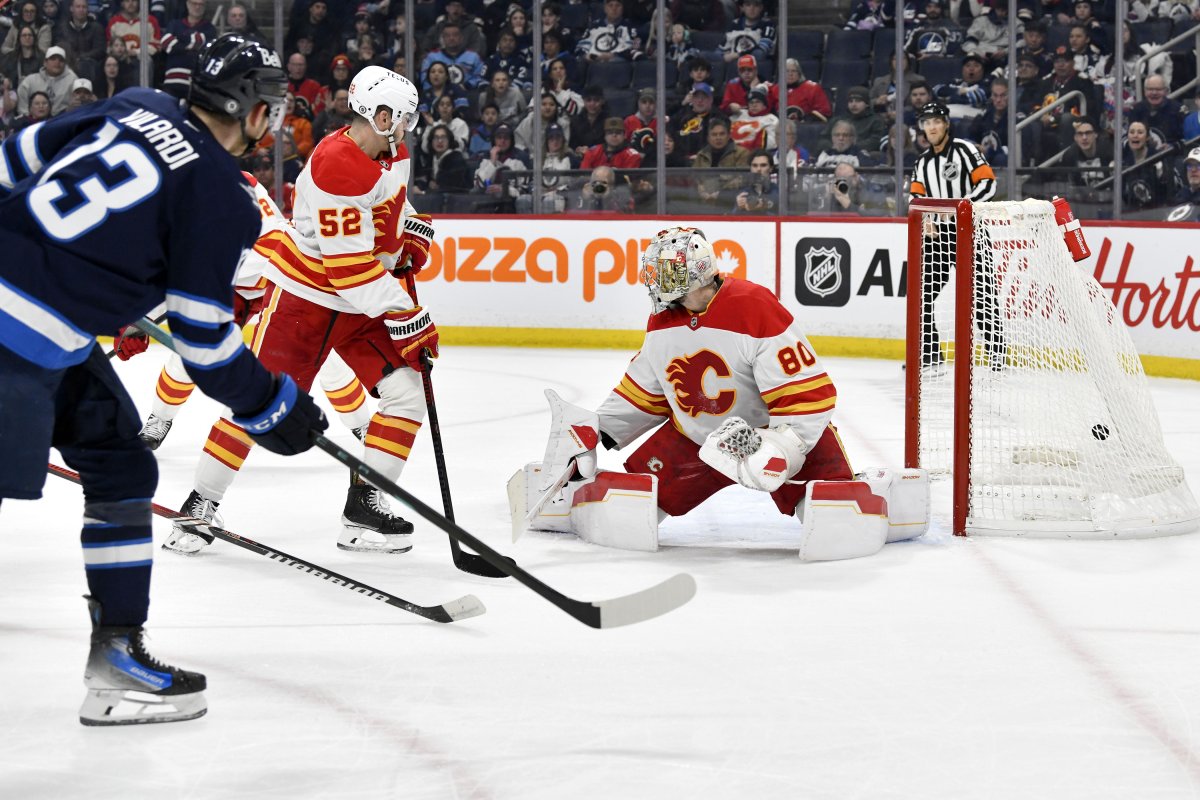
(1023, 385)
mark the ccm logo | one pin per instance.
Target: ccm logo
(266, 423)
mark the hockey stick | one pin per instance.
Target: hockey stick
(625, 610)
(116, 339)
(462, 608)
(467, 562)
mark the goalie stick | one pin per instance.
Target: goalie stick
(467, 562)
(614, 612)
(462, 608)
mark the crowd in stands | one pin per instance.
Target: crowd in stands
(474, 65)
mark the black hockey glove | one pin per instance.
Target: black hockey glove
(288, 421)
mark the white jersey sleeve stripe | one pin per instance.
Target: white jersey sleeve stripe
(27, 148)
(198, 311)
(210, 356)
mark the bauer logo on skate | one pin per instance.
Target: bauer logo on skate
(687, 375)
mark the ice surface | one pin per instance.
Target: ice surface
(940, 668)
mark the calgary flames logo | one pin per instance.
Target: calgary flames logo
(389, 223)
(687, 374)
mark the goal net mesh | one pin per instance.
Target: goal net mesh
(1063, 437)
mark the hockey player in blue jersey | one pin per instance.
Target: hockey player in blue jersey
(105, 213)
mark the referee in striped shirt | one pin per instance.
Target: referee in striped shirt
(953, 168)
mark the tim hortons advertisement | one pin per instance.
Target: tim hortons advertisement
(848, 280)
(547, 273)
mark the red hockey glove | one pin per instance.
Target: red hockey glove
(413, 334)
(415, 243)
(129, 342)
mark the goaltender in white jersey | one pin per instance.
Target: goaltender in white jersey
(737, 395)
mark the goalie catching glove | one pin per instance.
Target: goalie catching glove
(757, 458)
(413, 334)
(415, 243)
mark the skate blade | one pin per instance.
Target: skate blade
(105, 707)
(386, 550)
(356, 543)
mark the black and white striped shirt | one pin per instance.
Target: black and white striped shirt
(959, 171)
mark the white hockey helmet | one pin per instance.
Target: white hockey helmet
(375, 87)
(677, 261)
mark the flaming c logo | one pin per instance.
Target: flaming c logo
(687, 373)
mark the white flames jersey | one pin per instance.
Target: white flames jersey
(250, 282)
(744, 356)
(347, 224)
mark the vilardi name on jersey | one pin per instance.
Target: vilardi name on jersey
(103, 208)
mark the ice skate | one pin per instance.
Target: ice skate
(369, 526)
(360, 432)
(128, 686)
(188, 542)
(154, 431)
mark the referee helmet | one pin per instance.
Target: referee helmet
(934, 109)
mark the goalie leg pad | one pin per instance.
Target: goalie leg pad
(524, 492)
(617, 509)
(907, 494)
(842, 519)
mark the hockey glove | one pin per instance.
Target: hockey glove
(413, 334)
(757, 458)
(129, 342)
(415, 243)
(288, 421)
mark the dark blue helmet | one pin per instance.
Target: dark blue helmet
(233, 74)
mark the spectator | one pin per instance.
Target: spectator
(111, 78)
(336, 115)
(760, 194)
(867, 15)
(507, 98)
(1132, 51)
(1162, 115)
(907, 149)
(508, 59)
(734, 97)
(990, 129)
(610, 36)
(615, 152)
(1191, 122)
(39, 111)
(843, 147)
(517, 21)
(445, 168)
(83, 39)
(869, 127)
(26, 60)
(603, 192)
(465, 66)
(554, 49)
(679, 45)
(645, 116)
(918, 96)
(182, 43)
(367, 53)
(81, 94)
(552, 24)
(967, 96)
(935, 36)
(446, 115)
(262, 167)
(556, 159)
(1088, 58)
(1086, 18)
(1145, 186)
(806, 100)
(752, 33)
(28, 16)
(297, 137)
(54, 79)
(52, 14)
(691, 133)
(470, 30)
(1029, 83)
(1035, 46)
(557, 82)
(848, 193)
(315, 26)
(1055, 126)
(437, 83)
(238, 21)
(988, 35)
(755, 128)
(339, 77)
(883, 89)
(8, 104)
(695, 70)
(719, 153)
(300, 85)
(481, 135)
(587, 127)
(551, 114)
(797, 155)
(1090, 156)
(492, 177)
(363, 25)
(1190, 191)
(126, 25)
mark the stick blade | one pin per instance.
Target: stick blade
(646, 604)
(463, 608)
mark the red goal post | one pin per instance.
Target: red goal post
(1022, 384)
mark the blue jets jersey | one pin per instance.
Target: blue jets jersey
(110, 210)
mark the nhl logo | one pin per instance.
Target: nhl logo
(950, 170)
(822, 270)
(694, 323)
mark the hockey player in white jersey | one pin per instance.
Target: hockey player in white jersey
(737, 395)
(343, 390)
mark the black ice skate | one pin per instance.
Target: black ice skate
(369, 526)
(154, 431)
(188, 542)
(128, 686)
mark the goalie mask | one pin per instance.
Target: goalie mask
(376, 87)
(677, 261)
